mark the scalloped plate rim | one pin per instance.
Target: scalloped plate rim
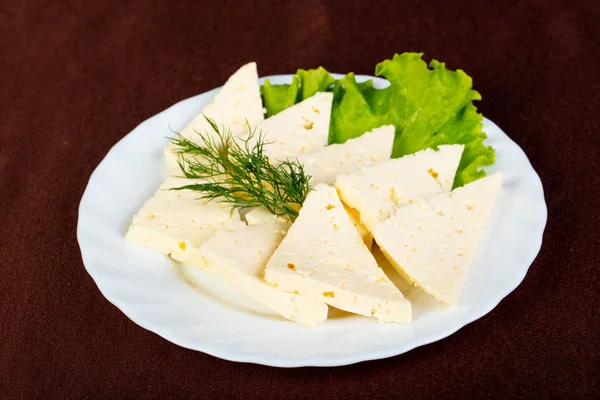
(325, 359)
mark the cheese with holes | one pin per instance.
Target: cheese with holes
(176, 222)
(301, 128)
(433, 242)
(374, 191)
(236, 105)
(370, 148)
(324, 257)
(239, 253)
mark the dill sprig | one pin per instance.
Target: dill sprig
(237, 171)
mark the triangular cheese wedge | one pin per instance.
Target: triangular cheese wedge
(236, 104)
(175, 222)
(239, 253)
(432, 242)
(301, 128)
(368, 149)
(324, 257)
(374, 191)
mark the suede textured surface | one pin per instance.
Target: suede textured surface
(76, 76)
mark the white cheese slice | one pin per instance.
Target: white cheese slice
(239, 253)
(432, 242)
(236, 102)
(368, 149)
(176, 222)
(375, 190)
(301, 128)
(324, 257)
(362, 231)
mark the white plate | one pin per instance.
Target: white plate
(218, 320)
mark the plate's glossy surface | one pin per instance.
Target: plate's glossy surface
(214, 318)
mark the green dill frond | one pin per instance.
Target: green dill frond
(237, 171)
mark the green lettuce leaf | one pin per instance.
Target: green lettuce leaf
(357, 108)
(277, 98)
(313, 81)
(305, 84)
(428, 105)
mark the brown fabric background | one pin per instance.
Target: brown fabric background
(77, 76)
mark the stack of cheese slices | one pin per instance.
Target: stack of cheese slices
(428, 232)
